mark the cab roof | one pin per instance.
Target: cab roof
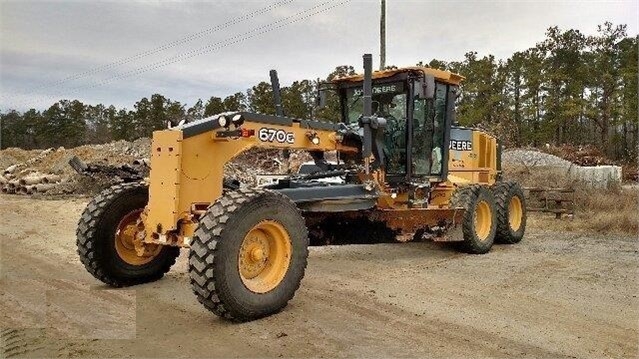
(440, 75)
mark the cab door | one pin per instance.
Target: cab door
(431, 133)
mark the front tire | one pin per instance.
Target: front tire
(248, 254)
(104, 238)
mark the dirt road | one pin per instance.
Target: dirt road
(553, 295)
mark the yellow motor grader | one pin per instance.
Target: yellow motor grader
(402, 160)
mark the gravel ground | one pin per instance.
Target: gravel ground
(554, 295)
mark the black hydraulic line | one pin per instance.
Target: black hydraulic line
(409, 133)
(320, 175)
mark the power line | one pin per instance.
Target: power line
(161, 48)
(302, 15)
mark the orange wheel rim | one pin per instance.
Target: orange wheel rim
(264, 257)
(125, 240)
(515, 213)
(483, 220)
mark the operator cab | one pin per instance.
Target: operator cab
(413, 150)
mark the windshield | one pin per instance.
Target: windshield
(428, 126)
(389, 101)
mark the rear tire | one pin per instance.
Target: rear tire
(479, 223)
(225, 277)
(96, 238)
(511, 212)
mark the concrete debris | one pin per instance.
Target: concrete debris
(142, 162)
(121, 173)
(9, 170)
(44, 187)
(47, 171)
(583, 155)
(247, 166)
(51, 178)
(533, 158)
(594, 176)
(31, 179)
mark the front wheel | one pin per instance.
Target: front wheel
(106, 237)
(248, 254)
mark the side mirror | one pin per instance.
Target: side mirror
(321, 98)
(428, 87)
(425, 89)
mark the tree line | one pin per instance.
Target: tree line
(570, 88)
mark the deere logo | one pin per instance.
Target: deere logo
(390, 88)
(457, 145)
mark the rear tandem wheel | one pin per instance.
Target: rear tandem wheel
(511, 212)
(479, 223)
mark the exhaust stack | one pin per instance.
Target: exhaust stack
(277, 96)
(368, 110)
(279, 110)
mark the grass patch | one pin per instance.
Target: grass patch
(610, 210)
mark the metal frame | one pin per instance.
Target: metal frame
(211, 123)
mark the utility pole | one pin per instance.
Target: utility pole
(382, 37)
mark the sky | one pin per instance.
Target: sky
(117, 52)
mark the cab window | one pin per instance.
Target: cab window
(428, 133)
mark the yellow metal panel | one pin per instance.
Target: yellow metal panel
(301, 136)
(190, 171)
(165, 177)
(477, 165)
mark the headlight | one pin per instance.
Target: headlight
(313, 137)
(223, 121)
(237, 120)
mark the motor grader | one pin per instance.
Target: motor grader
(403, 161)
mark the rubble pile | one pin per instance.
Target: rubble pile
(27, 176)
(48, 171)
(533, 158)
(587, 155)
(248, 165)
(85, 170)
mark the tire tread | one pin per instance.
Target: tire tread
(86, 239)
(502, 192)
(465, 197)
(204, 251)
